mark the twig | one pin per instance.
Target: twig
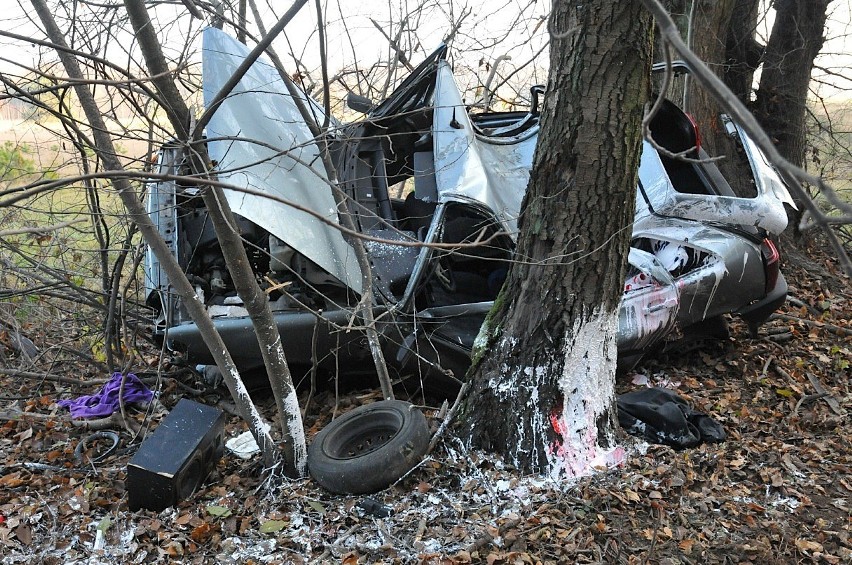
(450, 416)
(228, 407)
(15, 415)
(813, 324)
(38, 230)
(111, 421)
(488, 538)
(780, 337)
(784, 373)
(51, 377)
(314, 365)
(801, 304)
(807, 399)
(393, 44)
(654, 536)
(421, 529)
(766, 366)
(830, 400)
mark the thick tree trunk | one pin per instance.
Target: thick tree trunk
(781, 105)
(743, 51)
(544, 366)
(710, 19)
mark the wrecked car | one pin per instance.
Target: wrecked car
(435, 190)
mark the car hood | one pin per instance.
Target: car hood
(261, 144)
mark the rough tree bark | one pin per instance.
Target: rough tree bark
(544, 365)
(710, 20)
(781, 104)
(744, 53)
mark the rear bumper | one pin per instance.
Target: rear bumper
(758, 312)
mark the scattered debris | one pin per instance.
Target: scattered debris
(775, 491)
(244, 445)
(172, 463)
(660, 416)
(106, 402)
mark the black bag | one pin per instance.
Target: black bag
(658, 415)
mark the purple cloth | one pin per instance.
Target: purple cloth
(105, 402)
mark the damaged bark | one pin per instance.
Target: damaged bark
(544, 363)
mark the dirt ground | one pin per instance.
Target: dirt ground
(778, 490)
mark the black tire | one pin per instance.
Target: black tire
(369, 448)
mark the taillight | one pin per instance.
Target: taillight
(772, 262)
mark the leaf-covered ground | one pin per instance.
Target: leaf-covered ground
(777, 491)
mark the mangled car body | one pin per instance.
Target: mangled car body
(435, 191)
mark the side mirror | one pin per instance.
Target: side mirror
(359, 103)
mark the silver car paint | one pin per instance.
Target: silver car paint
(766, 210)
(261, 142)
(476, 167)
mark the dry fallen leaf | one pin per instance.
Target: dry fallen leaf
(808, 545)
(24, 533)
(272, 526)
(777, 480)
(201, 533)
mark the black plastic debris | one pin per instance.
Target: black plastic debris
(176, 459)
(658, 415)
(374, 507)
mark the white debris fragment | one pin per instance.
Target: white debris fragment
(641, 380)
(244, 445)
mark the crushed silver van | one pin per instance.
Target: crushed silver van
(435, 190)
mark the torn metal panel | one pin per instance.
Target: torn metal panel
(260, 142)
(492, 171)
(766, 177)
(650, 303)
(726, 270)
(765, 211)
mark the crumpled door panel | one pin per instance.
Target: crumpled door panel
(765, 211)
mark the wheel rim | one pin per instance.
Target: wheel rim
(362, 435)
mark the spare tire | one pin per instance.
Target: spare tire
(369, 448)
